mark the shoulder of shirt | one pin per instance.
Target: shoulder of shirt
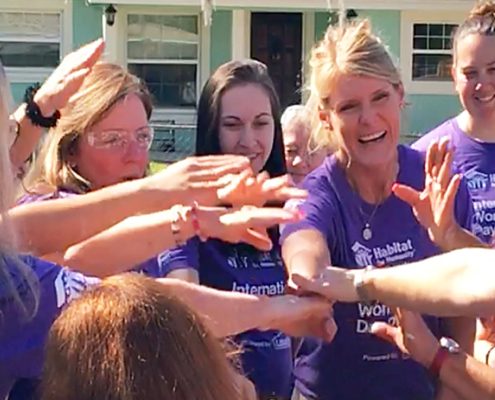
(321, 173)
(35, 197)
(446, 128)
(410, 155)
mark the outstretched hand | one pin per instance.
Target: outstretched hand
(336, 284)
(196, 179)
(412, 336)
(247, 189)
(434, 206)
(68, 77)
(247, 224)
(302, 316)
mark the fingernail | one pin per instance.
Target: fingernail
(300, 213)
(394, 186)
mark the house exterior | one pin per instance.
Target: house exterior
(167, 43)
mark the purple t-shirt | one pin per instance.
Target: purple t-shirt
(266, 355)
(358, 365)
(22, 340)
(476, 161)
(149, 267)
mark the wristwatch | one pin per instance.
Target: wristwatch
(359, 285)
(447, 346)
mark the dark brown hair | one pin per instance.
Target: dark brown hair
(226, 76)
(128, 339)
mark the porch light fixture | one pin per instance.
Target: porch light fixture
(351, 13)
(110, 12)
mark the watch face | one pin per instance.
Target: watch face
(450, 344)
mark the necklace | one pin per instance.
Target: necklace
(367, 233)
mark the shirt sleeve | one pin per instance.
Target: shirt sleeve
(182, 257)
(317, 209)
(26, 323)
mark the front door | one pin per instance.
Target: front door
(276, 40)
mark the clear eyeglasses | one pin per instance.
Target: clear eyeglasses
(119, 139)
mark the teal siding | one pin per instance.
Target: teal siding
(18, 90)
(386, 24)
(221, 38)
(321, 23)
(87, 22)
(424, 112)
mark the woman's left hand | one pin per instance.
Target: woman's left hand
(434, 206)
(247, 189)
(68, 77)
(412, 336)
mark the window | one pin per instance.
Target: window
(425, 50)
(164, 51)
(30, 39)
(431, 52)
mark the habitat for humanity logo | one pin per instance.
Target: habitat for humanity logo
(388, 253)
(478, 180)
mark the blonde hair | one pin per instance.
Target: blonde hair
(481, 20)
(106, 85)
(347, 48)
(14, 274)
(128, 339)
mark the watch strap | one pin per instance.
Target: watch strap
(440, 357)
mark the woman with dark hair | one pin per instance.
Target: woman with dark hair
(239, 113)
(210, 120)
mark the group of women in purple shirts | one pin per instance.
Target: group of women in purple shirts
(371, 203)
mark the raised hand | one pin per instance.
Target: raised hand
(412, 336)
(434, 206)
(67, 78)
(247, 189)
(248, 224)
(302, 316)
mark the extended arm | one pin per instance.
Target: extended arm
(459, 283)
(228, 313)
(136, 239)
(305, 252)
(55, 225)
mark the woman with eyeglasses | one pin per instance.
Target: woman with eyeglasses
(102, 139)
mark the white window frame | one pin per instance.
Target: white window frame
(61, 7)
(408, 19)
(118, 51)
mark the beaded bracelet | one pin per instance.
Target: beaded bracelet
(33, 111)
(182, 214)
